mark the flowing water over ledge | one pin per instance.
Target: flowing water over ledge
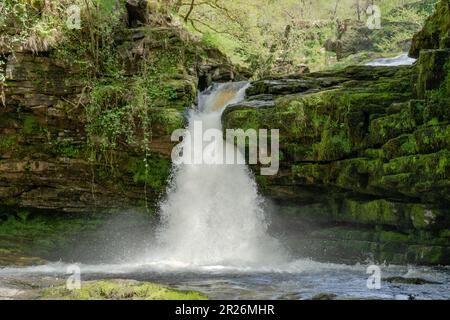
(401, 60)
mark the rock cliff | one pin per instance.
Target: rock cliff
(365, 154)
(53, 153)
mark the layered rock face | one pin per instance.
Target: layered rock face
(46, 161)
(435, 34)
(365, 155)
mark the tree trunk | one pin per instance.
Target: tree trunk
(191, 7)
(336, 9)
(358, 9)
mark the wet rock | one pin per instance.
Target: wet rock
(324, 296)
(432, 70)
(436, 31)
(302, 69)
(34, 81)
(10, 293)
(404, 280)
(290, 296)
(214, 66)
(251, 104)
(138, 13)
(280, 87)
(18, 260)
(429, 254)
(119, 290)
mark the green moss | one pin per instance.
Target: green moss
(402, 145)
(67, 149)
(376, 212)
(26, 233)
(152, 172)
(166, 120)
(392, 236)
(8, 142)
(30, 124)
(429, 165)
(332, 124)
(434, 34)
(424, 217)
(431, 255)
(11, 258)
(311, 173)
(263, 182)
(385, 128)
(332, 146)
(438, 98)
(119, 290)
(373, 153)
(420, 176)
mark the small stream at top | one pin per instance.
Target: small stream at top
(400, 60)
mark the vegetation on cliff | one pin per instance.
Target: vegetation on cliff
(112, 92)
(280, 38)
(375, 140)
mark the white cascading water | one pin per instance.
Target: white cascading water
(212, 214)
(401, 60)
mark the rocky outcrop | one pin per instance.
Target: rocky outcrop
(118, 289)
(47, 158)
(436, 32)
(210, 71)
(365, 158)
(47, 288)
(137, 12)
(44, 155)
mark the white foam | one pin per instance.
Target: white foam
(400, 60)
(213, 214)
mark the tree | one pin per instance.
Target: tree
(358, 9)
(218, 9)
(191, 7)
(336, 8)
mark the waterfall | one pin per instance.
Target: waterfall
(401, 60)
(213, 214)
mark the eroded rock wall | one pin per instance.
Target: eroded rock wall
(365, 155)
(46, 161)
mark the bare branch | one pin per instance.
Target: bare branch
(186, 17)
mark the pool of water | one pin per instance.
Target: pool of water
(301, 279)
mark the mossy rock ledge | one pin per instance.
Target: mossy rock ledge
(365, 154)
(53, 155)
(119, 290)
(111, 289)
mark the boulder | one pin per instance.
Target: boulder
(138, 13)
(436, 31)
